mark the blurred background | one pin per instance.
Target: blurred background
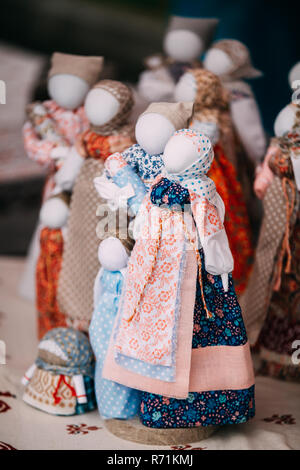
(124, 31)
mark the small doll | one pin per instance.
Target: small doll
(53, 125)
(144, 159)
(179, 329)
(53, 220)
(114, 400)
(212, 117)
(230, 60)
(50, 131)
(61, 381)
(107, 106)
(271, 302)
(185, 41)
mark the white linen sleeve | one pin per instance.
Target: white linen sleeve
(218, 256)
(67, 174)
(247, 122)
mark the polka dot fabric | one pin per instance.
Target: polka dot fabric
(194, 177)
(113, 400)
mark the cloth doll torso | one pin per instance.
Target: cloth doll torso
(114, 400)
(80, 262)
(152, 320)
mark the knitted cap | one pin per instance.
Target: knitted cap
(124, 96)
(210, 91)
(240, 56)
(205, 28)
(86, 67)
(178, 114)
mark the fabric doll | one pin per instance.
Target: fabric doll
(271, 301)
(50, 136)
(212, 117)
(185, 41)
(107, 106)
(114, 400)
(53, 219)
(143, 160)
(230, 60)
(179, 329)
(51, 129)
(61, 381)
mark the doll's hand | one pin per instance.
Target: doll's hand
(115, 196)
(224, 278)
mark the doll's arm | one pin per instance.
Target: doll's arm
(37, 149)
(66, 176)
(28, 375)
(247, 122)
(213, 237)
(264, 175)
(80, 389)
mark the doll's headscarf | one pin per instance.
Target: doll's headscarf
(195, 176)
(240, 56)
(125, 97)
(66, 351)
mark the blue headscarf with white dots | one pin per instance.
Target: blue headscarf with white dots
(195, 176)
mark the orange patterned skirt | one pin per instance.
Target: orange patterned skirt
(47, 274)
(236, 223)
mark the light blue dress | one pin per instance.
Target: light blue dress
(113, 400)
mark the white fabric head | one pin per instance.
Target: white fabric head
(112, 254)
(183, 45)
(68, 91)
(218, 62)
(54, 213)
(152, 132)
(196, 162)
(285, 120)
(294, 76)
(100, 106)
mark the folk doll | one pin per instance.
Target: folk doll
(107, 106)
(179, 327)
(211, 116)
(272, 300)
(144, 159)
(185, 41)
(53, 220)
(61, 381)
(51, 129)
(114, 400)
(230, 60)
(53, 126)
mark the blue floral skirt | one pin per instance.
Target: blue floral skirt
(217, 407)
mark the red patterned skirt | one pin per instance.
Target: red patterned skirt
(47, 274)
(237, 222)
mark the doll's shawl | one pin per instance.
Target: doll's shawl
(149, 310)
(75, 348)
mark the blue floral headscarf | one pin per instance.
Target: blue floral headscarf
(76, 349)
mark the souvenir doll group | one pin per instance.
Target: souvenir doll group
(145, 240)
